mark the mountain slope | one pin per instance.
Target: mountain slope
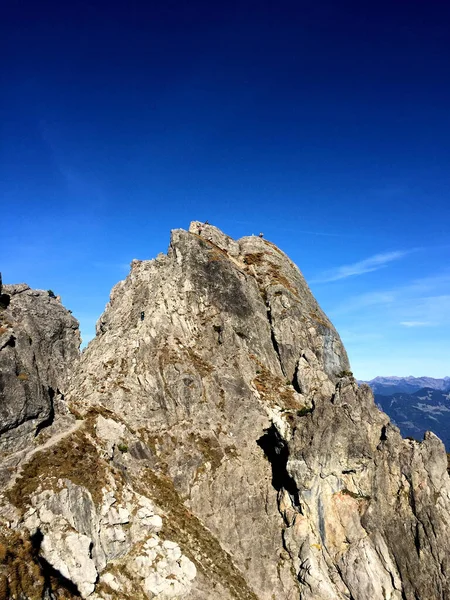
(219, 448)
(421, 411)
(408, 385)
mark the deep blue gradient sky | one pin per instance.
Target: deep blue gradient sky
(326, 125)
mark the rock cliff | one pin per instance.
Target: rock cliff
(211, 443)
(39, 341)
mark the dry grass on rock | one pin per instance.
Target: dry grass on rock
(20, 572)
(74, 457)
(274, 391)
(195, 540)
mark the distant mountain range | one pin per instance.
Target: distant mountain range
(393, 385)
(415, 404)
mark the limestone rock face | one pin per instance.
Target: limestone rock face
(215, 446)
(39, 341)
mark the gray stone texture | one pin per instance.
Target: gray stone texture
(39, 342)
(219, 447)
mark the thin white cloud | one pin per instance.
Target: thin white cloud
(373, 263)
(429, 283)
(415, 323)
(370, 299)
(434, 310)
(410, 299)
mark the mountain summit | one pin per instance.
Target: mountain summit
(211, 443)
(409, 385)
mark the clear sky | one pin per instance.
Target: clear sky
(324, 124)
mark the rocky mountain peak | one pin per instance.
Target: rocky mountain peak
(216, 446)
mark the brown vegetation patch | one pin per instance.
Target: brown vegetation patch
(221, 402)
(23, 377)
(74, 458)
(318, 318)
(272, 245)
(206, 243)
(120, 571)
(271, 271)
(215, 252)
(20, 571)
(168, 356)
(121, 384)
(3, 330)
(152, 441)
(124, 367)
(255, 258)
(99, 409)
(278, 278)
(344, 373)
(195, 540)
(161, 448)
(354, 495)
(75, 412)
(203, 368)
(213, 256)
(209, 448)
(217, 248)
(273, 389)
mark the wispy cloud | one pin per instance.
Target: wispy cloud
(363, 301)
(406, 306)
(410, 325)
(373, 263)
(433, 310)
(429, 283)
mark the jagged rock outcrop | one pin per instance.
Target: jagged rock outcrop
(216, 446)
(39, 342)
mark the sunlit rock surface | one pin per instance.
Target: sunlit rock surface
(212, 444)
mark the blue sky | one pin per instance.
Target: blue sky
(326, 125)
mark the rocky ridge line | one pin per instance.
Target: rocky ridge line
(215, 445)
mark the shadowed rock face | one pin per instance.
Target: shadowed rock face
(39, 341)
(219, 448)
